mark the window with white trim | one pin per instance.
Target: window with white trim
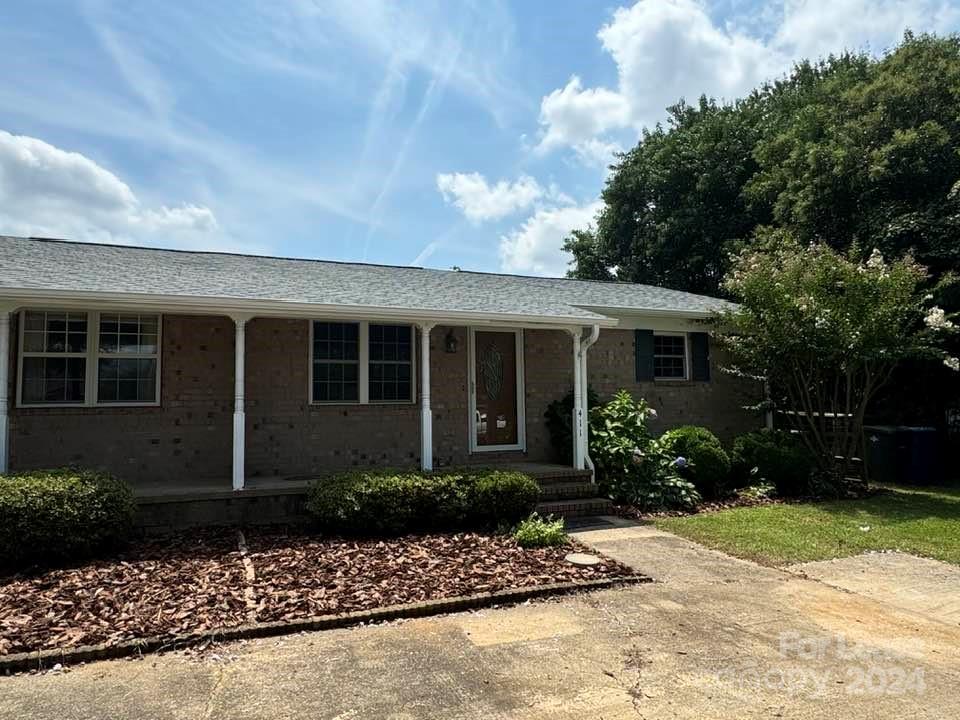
(391, 363)
(670, 356)
(361, 362)
(61, 365)
(336, 362)
(127, 358)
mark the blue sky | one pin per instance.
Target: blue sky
(442, 133)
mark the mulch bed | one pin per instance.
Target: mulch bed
(198, 581)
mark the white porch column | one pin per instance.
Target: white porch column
(239, 417)
(584, 400)
(4, 390)
(577, 421)
(426, 414)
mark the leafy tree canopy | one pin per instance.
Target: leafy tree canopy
(852, 151)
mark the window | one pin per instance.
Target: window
(336, 362)
(54, 357)
(59, 365)
(127, 359)
(391, 360)
(670, 357)
(361, 362)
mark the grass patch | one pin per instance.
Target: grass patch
(922, 521)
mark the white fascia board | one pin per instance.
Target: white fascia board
(242, 307)
(658, 319)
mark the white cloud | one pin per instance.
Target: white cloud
(535, 247)
(668, 49)
(47, 191)
(573, 115)
(480, 201)
(596, 152)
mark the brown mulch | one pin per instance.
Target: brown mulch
(197, 582)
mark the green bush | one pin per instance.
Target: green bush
(704, 461)
(391, 503)
(559, 417)
(632, 467)
(772, 456)
(50, 516)
(536, 531)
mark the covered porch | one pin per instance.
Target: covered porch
(453, 414)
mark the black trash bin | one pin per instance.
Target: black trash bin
(903, 454)
(919, 456)
(882, 454)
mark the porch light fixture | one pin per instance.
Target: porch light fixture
(450, 342)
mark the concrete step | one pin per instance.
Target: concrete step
(567, 490)
(577, 507)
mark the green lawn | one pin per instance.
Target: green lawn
(922, 521)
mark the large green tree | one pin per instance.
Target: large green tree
(852, 151)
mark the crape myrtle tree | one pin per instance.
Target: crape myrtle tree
(826, 330)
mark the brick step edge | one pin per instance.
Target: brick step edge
(40, 659)
(567, 491)
(577, 507)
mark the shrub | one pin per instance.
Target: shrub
(632, 467)
(495, 497)
(391, 503)
(50, 516)
(559, 417)
(772, 456)
(707, 463)
(536, 531)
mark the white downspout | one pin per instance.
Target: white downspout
(584, 347)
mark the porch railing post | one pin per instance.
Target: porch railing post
(426, 414)
(239, 416)
(577, 420)
(4, 390)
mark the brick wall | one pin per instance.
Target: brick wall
(188, 438)
(716, 404)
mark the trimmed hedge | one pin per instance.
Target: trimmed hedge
(51, 516)
(709, 468)
(391, 503)
(773, 456)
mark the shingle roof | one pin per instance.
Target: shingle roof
(40, 264)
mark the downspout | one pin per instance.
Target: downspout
(584, 346)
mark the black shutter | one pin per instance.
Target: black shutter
(700, 351)
(643, 346)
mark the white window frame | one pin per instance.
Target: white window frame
(686, 356)
(93, 355)
(363, 363)
(521, 443)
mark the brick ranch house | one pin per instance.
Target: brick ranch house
(179, 370)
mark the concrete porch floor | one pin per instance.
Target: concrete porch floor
(220, 489)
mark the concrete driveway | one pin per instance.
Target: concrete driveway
(715, 637)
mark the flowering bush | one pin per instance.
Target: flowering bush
(700, 458)
(634, 468)
(825, 330)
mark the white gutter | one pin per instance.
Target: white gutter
(585, 345)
